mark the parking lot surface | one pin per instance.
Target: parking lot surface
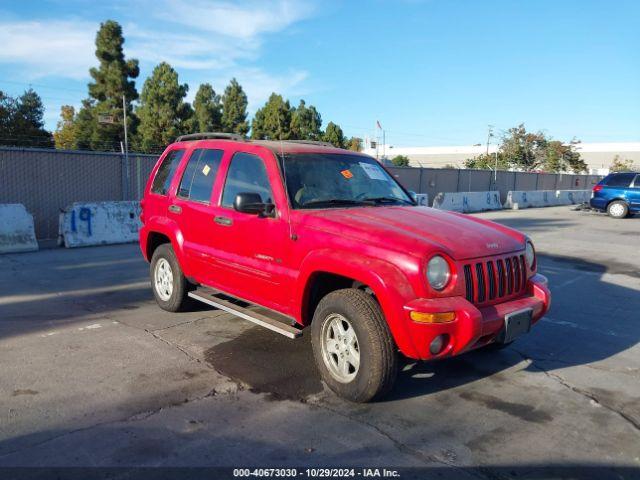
(95, 374)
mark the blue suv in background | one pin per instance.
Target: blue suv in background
(618, 194)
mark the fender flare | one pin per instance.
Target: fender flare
(171, 230)
(389, 284)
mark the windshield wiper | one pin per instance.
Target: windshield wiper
(379, 200)
(335, 201)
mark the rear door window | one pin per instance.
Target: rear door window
(199, 175)
(164, 175)
(619, 180)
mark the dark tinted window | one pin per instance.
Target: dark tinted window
(165, 172)
(197, 180)
(247, 174)
(619, 180)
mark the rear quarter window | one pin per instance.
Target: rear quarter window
(619, 180)
(166, 170)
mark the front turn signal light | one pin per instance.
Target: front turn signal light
(422, 317)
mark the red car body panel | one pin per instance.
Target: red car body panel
(273, 261)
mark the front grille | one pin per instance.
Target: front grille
(494, 279)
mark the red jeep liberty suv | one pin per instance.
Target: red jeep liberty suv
(298, 234)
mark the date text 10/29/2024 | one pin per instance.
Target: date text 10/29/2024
(316, 472)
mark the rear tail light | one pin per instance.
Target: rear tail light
(597, 188)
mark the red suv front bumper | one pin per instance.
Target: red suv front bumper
(473, 326)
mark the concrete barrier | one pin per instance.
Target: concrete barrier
(468, 201)
(530, 198)
(16, 229)
(101, 223)
(572, 197)
(422, 199)
(545, 198)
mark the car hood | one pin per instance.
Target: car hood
(417, 229)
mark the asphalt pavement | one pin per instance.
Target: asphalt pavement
(94, 374)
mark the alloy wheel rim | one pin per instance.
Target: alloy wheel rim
(340, 348)
(163, 279)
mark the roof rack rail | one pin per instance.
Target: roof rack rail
(312, 142)
(211, 136)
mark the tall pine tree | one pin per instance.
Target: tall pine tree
(163, 113)
(207, 110)
(234, 109)
(112, 79)
(333, 134)
(21, 121)
(273, 120)
(306, 123)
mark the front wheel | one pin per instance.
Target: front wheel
(352, 346)
(167, 280)
(617, 209)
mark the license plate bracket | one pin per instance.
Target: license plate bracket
(516, 324)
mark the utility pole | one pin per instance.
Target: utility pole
(126, 140)
(489, 135)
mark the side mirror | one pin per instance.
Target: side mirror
(249, 202)
(414, 195)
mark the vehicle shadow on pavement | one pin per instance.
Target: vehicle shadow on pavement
(592, 318)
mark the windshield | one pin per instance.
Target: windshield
(321, 180)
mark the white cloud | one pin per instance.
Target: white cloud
(38, 48)
(205, 40)
(245, 21)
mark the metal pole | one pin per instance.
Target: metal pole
(384, 151)
(126, 143)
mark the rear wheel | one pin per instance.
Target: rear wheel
(352, 346)
(618, 209)
(169, 286)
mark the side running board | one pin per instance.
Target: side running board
(271, 320)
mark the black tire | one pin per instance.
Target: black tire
(618, 209)
(378, 363)
(180, 287)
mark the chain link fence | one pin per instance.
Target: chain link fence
(47, 180)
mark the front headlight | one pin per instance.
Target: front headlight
(438, 272)
(530, 255)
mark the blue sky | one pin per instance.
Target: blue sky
(433, 72)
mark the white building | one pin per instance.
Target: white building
(597, 156)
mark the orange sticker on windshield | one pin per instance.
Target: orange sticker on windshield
(347, 174)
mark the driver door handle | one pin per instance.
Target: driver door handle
(175, 209)
(225, 221)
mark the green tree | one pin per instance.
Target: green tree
(400, 161)
(6, 113)
(306, 123)
(21, 121)
(234, 109)
(163, 113)
(333, 134)
(112, 79)
(487, 162)
(620, 165)
(273, 120)
(66, 131)
(524, 150)
(207, 110)
(561, 157)
(85, 125)
(355, 144)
